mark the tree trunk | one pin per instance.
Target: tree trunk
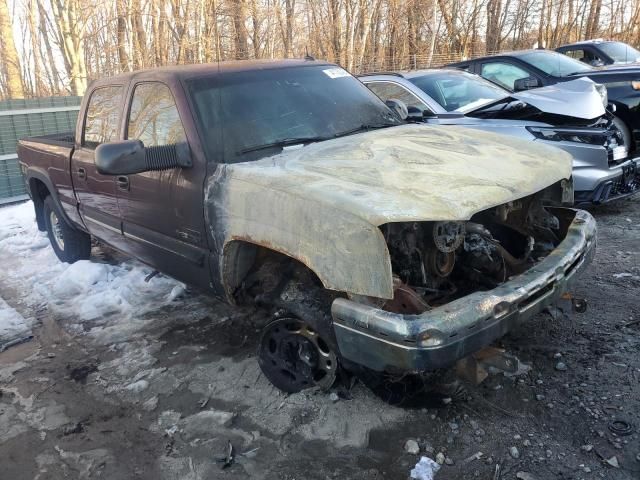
(121, 21)
(238, 12)
(9, 55)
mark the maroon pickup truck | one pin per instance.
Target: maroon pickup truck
(372, 242)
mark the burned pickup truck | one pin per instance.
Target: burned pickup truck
(371, 242)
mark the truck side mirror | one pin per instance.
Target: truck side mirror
(127, 157)
(124, 157)
(526, 83)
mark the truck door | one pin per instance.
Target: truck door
(162, 211)
(96, 193)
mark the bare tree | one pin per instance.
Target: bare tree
(9, 55)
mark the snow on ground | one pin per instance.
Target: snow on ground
(107, 301)
(13, 326)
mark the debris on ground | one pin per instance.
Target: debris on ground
(613, 461)
(80, 374)
(228, 460)
(73, 428)
(425, 469)
(514, 452)
(525, 476)
(412, 447)
(621, 428)
(561, 366)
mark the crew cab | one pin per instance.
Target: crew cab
(527, 69)
(570, 116)
(371, 242)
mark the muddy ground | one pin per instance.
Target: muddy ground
(163, 401)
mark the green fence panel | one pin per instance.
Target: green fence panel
(29, 118)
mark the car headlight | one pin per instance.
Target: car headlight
(604, 96)
(588, 135)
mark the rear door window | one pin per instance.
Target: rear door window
(503, 73)
(153, 117)
(103, 116)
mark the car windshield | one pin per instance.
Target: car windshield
(553, 63)
(459, 91)
(252, 114)
(620, 52)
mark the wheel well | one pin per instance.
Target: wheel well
(39, 192)
(250, 271)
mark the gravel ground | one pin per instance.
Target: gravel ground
(166, 397)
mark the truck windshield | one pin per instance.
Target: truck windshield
(263, 111)
(553, 63)
(620, 52)
(458, 91)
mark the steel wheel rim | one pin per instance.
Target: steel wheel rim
(294, 353)
(56, 229)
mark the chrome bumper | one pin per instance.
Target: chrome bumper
(437, 338)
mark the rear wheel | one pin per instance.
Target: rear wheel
(69, 244)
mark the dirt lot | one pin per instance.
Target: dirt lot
(156, 385)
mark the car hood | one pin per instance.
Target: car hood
(577, 98)
(410, 172)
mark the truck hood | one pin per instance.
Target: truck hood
(410, 172)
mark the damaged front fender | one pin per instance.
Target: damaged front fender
(346, 253)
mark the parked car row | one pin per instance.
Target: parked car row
(393, 237)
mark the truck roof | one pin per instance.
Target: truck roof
(196, 70)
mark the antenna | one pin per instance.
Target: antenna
(306, 54)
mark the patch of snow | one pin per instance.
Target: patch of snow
(13, 327)
(109, 302)
(137, 387)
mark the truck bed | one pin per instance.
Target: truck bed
(58, 139)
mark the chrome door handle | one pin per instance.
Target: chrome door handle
(82, 174)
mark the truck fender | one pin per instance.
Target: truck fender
(35, 173)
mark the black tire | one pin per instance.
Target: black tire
(627, 139)
(300, 302)
(69, 244)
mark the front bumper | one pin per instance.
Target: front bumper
(621, 181)
(437, 338)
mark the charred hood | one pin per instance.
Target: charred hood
(410, 172)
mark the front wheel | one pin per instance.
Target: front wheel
(298, 349)
(625, 133)
(69, 244)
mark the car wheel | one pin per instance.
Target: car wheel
(298, 349)
(69, 244)
(622, 127)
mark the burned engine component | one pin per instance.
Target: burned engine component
(448, 236)
(436, 262)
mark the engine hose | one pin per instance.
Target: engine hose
(508, 258)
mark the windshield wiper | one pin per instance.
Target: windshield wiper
(285, 142)
(365, 127)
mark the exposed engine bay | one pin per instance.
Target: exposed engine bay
(434, 263)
